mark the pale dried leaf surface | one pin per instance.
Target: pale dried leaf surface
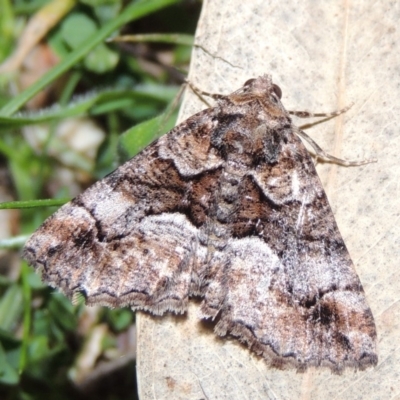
(323, 55)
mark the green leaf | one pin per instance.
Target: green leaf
(119, 320)
(138, 137)
(8, 374)
(62, 311)
(11, 307)
(38, 348)
(34, 281)
(76, 28)
(101, 59)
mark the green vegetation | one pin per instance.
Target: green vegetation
(73, 105)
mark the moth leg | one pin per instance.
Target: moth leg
(322, 155)
(309, 114)
(200, 93)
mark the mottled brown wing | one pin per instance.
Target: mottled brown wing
(228, 207)
(127, 240)
(292, 292)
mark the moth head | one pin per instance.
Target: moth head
(263, 85)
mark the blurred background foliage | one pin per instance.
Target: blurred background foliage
(74, 103)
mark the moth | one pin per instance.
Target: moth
(226, 207)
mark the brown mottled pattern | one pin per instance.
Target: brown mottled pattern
(227, 206)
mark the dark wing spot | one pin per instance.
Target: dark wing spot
(343, 341)
(53, 250)
(84, 239)
(324, 314)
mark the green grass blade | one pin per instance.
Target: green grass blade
(32, 203)
(172, 38)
